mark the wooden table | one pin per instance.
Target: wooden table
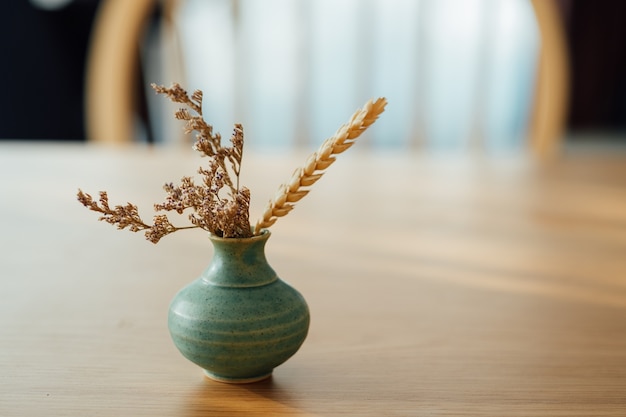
(455, 286)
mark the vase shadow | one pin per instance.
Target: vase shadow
(262, 398)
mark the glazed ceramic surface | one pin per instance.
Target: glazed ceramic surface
(238, 320)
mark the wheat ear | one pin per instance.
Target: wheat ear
(313, 169)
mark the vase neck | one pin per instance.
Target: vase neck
(239, 262)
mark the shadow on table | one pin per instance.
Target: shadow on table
(263, 398)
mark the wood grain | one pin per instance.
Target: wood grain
(437, 286)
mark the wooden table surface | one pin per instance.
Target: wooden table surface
(438, 286)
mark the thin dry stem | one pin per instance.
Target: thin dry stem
(296, 188)
(128, 217)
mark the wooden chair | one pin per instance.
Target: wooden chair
(113, 68)
(113, 62)
(552, 92)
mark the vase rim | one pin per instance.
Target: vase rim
(265, 234)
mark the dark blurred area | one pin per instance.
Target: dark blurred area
(44, 48)
(596, 33)
(44, 52)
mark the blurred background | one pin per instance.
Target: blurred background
(458, 74)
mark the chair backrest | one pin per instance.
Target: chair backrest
(113, 73)
(112, 66)
(552, 92)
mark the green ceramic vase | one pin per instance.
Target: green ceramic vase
(238, 320)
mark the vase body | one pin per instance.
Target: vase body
(238, 320)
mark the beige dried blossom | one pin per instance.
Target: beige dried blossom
(219, 205)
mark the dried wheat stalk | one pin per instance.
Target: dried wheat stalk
(318, 162)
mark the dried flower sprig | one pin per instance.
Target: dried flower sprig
(219, 204)
(294, 190)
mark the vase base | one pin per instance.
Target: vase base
(227, 380)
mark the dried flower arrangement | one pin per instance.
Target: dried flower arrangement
(220, 204)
